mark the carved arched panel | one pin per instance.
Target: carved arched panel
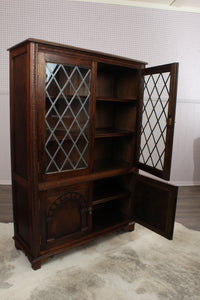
(60, 201)
(65, 214)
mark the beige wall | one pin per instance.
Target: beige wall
(155, 36)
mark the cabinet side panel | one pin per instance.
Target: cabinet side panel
(22, 209)
(19, 98)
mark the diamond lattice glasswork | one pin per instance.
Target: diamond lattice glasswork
(66, 117)
(154, 120)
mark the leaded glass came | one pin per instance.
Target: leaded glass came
(154, 120)
(67, 95)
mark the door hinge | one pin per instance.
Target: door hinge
(169, 121)
(38, 69)
(90, 210)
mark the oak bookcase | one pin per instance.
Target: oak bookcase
(83, 124)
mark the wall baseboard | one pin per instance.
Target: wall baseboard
(177, 183)
(5, 182)
(185, 183)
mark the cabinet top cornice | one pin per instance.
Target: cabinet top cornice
(76, 49)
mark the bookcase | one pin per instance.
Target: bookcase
(83, 125)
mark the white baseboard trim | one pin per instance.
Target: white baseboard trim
(177, 183)
(185, 183)
(173, 182)
(5, 182)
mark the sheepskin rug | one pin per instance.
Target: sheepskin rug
(122, 266)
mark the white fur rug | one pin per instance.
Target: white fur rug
(122, 266)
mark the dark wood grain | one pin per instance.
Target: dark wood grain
(66, 204)
(64, 214)
(119, 100)
(159, 214)
(95, 55)
(110, 132)
(187, 213)
(19, 110)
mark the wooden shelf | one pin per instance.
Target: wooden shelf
(112, 132)
(95, 175)
(106, 194)
(113, 99)
(101, 166)
(103, 218)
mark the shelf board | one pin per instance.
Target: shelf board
(110, 165)
(102, 169)
(112, 132)
(105, 219)
(106, 195)
(120, 100)
(99, 133)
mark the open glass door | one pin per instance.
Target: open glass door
(156, 124)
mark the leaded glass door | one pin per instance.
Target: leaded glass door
(157, 114)
(66, 117)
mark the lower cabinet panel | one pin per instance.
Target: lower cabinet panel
(76, 214)
(64, 214)
(154, 205)
(82, 211)
(21, 207)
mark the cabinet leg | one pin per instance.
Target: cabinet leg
(36, 265)
(17, 246)
(131, 226)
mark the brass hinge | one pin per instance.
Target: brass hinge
(169, 121)
(90, 210)
(38, 69)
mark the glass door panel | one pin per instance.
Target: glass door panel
(157, 117)
(154, 125)
(67, 100)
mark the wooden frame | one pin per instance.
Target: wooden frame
(55, 212)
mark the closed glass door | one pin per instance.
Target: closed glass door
(67, 103)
